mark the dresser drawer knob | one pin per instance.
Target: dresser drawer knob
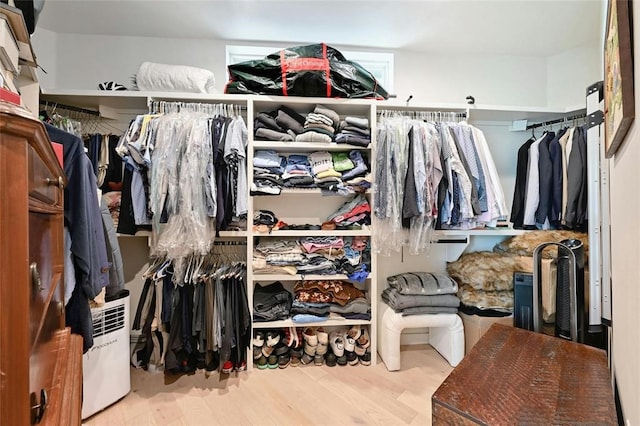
(36, 282)
(38, 409)
(57, 182)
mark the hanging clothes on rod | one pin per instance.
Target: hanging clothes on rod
(187, 174)
(203, 323)
(432, 175)
(96, 132)
(551, 178)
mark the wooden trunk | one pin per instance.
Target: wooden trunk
(514, 376)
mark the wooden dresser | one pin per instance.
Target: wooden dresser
(40, 361)
(514, 376)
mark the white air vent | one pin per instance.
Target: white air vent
(108, 320)
(105, 367)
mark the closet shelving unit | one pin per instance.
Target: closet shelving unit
(309, 206)
(300, 206)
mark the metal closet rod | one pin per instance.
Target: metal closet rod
(160, 106)
(229, 243)
(461, 114)
(57, 105)
(559, 120)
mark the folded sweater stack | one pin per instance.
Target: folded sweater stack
(320, 125)
(417, 293)
(282, 124)
(354, 131)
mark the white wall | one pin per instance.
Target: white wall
(45, 46)
(84, 61)
(570, 73)
(491, 79)
(625, 254)
(502, 80)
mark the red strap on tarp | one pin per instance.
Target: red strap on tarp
(305, 64)
(327, 69)
(283, 66)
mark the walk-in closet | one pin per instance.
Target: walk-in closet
(252, 212)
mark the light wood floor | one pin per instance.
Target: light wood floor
(305, 395)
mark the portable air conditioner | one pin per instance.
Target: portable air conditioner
(105, 367)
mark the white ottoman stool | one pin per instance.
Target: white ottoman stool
(446, 335)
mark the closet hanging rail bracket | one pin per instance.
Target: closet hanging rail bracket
(595, 119)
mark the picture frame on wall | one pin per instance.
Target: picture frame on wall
(619, 103)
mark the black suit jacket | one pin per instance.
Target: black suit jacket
(546, 179)
(577, 204)
(520, 189)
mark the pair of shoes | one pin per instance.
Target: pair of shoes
(352, 358)
(336, 340)
(366, 358)
(337, 343)
(261, 363)
(282, 351)
(272, 339)
(296, 355)
(362, 342)
(272, 362)
(292, 337)
(323, 346)
(349, 348)
(227, 367)
(310, 345)
(330, 358)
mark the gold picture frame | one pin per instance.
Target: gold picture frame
(619, 103)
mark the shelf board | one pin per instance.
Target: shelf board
(310, 191)
(298, 277)
(94, 99)
(479, 112)
(137, 100)
(140, 234)
(305, 146)
(131, 99)
(233, 234)
(327, 323)
(487, 232)
(313, 233)
(223, 234)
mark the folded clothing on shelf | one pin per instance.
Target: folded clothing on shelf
(274, 135)
(267, 159)
(354, 131)
(271, 302)
(282, 124)
(340, 292)
(315, 135)
(357, 206)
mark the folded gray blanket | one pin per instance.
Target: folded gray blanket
(422, 310)
(423, 283)
(399, 301)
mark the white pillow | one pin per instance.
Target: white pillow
(174, 78)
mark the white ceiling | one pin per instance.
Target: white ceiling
(534, 27)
